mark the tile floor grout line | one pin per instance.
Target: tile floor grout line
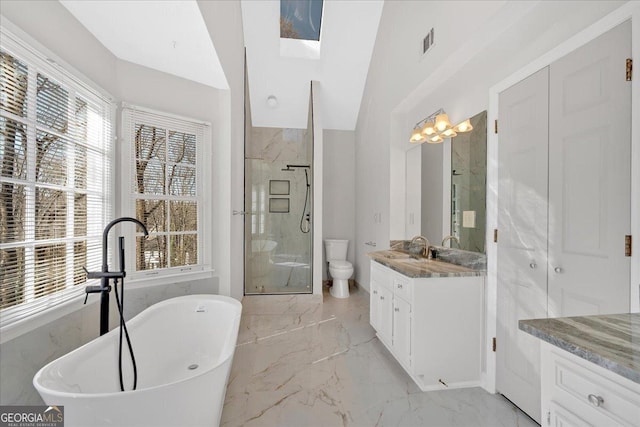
(330, 356)
(333, 317)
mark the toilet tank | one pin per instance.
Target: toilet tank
(336, 249)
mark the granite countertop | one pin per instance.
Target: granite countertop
(611, 341)
(414, 267)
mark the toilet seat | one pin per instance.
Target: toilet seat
(340, 265)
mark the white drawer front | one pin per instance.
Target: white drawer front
(602, 395)
(382, 275)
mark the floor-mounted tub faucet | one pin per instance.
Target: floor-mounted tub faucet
(105, 275)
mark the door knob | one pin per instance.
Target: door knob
(533, 265)
(558, 270)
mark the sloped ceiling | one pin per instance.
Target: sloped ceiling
(170, 36)
(284, 68)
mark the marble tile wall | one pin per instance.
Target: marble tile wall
(277, 252)
(22, 357)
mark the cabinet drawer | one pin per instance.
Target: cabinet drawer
(381, 275)
(597, 393)
(402, 287)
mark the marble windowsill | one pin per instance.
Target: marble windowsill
(611, 341)
(414, 268)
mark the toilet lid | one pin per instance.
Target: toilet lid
(340, 264)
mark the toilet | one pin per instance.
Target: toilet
(339, 268)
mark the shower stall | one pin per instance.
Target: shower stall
(277, 209)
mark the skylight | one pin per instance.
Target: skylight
(300, 19)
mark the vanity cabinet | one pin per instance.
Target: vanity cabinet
(576, 392)
(432, 326)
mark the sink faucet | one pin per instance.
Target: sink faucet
(105, 275)
(451, 237)
(425, 245)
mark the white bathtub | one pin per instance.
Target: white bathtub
(167, 338)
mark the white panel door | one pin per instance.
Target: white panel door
(590, 178)
(522, 239)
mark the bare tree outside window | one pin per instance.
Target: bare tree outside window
(47, 188)
(165, 197)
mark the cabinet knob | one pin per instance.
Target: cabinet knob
(375, 292)
(558, 270)
(399, 285)
(533, 265)
(595, 400)
(396, 309)
(381, 297)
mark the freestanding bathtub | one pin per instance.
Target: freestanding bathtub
(183, 347)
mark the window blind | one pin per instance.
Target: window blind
(55, 172)
(164, 188)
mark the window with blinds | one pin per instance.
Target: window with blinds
(165, 177)
(55, 144)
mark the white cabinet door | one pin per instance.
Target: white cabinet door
(590, 178)
(402, 330)
(374, 303)
(385, 308)
(522, 225)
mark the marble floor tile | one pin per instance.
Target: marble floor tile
(300, 362)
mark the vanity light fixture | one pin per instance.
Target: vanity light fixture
(434, 128)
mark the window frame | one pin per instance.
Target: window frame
(20, 318)
(131, 115)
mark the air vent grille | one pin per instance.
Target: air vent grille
(427, 41)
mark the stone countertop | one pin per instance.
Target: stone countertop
(415, 268)
(611, 341)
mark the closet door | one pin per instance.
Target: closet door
(522, 240)
(590, 178)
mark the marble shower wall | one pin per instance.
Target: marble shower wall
(277, 252)
(468, 184)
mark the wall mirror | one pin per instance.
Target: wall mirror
(445, 190)
(468, 186)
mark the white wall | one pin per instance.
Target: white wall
(499, 39)
(52, 26)
(488, 41)
(339, 186)
(224, 22)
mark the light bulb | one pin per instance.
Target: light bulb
(449, 133)
(435, 139)
(428, 129)
(464, 126)
(442, 122)
(416, 137)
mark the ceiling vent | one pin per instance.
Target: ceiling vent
(427, 42)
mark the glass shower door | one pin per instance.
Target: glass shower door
(277, 227)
